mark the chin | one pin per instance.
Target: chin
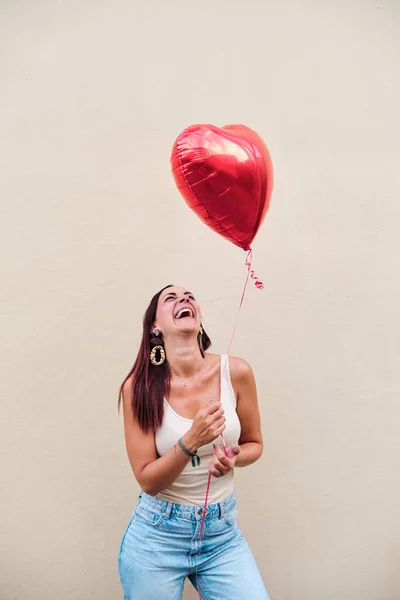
(188, 329)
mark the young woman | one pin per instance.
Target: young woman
(177, 401)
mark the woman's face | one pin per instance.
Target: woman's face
(177, 310)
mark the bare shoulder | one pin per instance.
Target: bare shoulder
(127, 387)
(240, 370)
(127, 393)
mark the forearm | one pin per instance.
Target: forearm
(250, 452)
(161, 473)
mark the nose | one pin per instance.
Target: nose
(184, 299)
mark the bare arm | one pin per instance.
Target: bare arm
(154, 473)
(251, 442)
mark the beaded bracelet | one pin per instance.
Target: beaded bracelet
(193, 455)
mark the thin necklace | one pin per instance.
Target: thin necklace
(186, 381)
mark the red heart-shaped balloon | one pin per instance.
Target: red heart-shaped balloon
(225, 176)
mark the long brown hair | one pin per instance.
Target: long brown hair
(151, 383)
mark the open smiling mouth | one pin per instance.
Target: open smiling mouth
(185, 313)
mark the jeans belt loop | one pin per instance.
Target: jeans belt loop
(168, 509)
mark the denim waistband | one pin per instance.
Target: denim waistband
(185, 511)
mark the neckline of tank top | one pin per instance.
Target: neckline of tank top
(222, 368)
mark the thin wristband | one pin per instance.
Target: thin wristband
(177, 451)
(193, 455)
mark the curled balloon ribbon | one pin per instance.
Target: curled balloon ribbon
(259, 285)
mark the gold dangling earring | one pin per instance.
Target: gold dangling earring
(157, 342)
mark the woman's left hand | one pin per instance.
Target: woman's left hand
(222, 464)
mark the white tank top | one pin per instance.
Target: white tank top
(191, 485)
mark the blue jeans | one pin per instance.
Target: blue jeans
(160, 548)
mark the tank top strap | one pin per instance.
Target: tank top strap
(224, 369)
(227, 391)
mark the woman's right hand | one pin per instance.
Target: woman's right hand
(207, 425)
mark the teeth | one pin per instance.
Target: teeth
(182, 311)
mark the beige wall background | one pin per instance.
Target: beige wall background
(92, 95)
